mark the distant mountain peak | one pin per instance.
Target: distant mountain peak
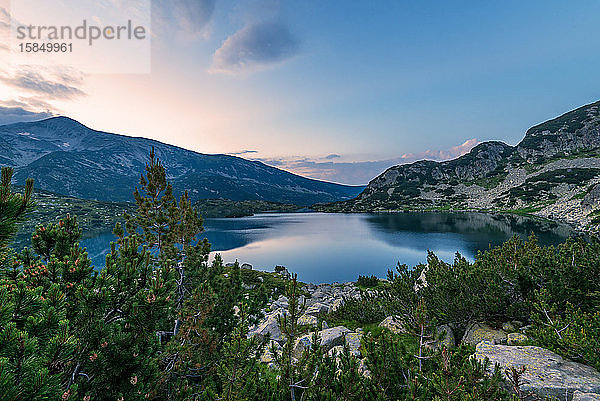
(66, 157)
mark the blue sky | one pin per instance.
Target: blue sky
(340, 90)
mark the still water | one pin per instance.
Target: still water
(324, 247)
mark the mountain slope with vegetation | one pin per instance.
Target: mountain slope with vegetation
(553, 172)
(68, 158)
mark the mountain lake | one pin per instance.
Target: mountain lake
(335, 247)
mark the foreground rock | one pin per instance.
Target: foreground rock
(579, 396)
(392, 324)
(547, 374)
(477, 332)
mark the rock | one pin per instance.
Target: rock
(261, 279)
(579, 396)
(516, 338)
(329, 338)
(422, 281)
(477, 332)
(270, 326)
(302, 344)
(247, 266)
(335, 351)
(393, 325)
(547, 374)
(445, 338)
(353, 341)
(512, 326)
(316, 309)
(247, 287)
(362, 368)
(337, 304)
(307, 320)
(229, 264)
(281, 270)
(333, 336)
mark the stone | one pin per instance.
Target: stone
(308, 320)
(512, 326)
(362, 368)
(302, 344)
(336, 304)
(477, 332)
(353, 341)
(261, 279)
(229, 264)
(546, 373)
(247, 266)
(333, 336)
(317, 309)
(444, 338)
(421, 281)
(516, 338)
(393, 325)
(579, 396)
(270, 327)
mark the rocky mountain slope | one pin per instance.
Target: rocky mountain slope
(68, 158)
(553, 172)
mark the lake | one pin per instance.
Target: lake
(324, 247)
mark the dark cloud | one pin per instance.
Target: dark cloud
(61, 86)
(242, 152)
(14, 114)
(255, 47)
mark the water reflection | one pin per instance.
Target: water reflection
(337, 247)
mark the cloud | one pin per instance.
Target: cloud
(360, 172)
(255, 47)
(189, 17)
(451, 153)
(62, 85)
(242, 152)
(14, 114)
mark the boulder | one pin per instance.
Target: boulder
(516, 338)
(512, 326)
(333, 336)
(308, 320)
(444, 338)
(546, 373)
(336, 304)
(316, 309)
(579, 396)
(477, 332)
(270, 327)
(362, 368)
(353, 341)
(392, 324)
(329, 338)
(247, 266)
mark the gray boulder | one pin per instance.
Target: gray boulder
(444, 338)
(579, 396)
(353, 341)
(392, 324)
(546, 373)
(477, 332)
(316, 309)
(269, 326)
(247, 266)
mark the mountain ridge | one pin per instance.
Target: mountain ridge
(57, 150)
(553, 172)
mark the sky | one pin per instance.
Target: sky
(334, 90)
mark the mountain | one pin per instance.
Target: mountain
(553, 172)
(68, 158)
